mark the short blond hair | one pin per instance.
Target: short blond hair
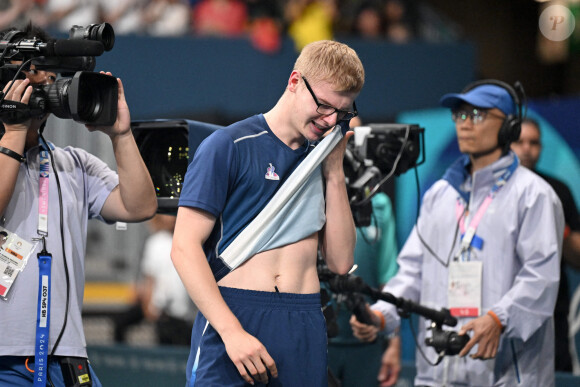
(333, 62)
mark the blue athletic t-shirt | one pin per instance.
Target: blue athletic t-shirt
(233, 175)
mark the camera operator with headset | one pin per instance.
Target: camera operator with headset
(486, 246)
(48, 195)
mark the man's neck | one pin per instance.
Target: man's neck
(482, 160)
(32, 139)
(282, 128)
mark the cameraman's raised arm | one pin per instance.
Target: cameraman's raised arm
(134, 199)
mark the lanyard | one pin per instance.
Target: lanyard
(44, 289)
(42, 319)
(43, 193)
(468, 237)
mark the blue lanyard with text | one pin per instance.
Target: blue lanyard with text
(468, 237)
(44, 271)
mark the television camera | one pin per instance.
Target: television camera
(374, 154)
(81, 94)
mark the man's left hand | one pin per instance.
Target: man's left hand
(123, 123)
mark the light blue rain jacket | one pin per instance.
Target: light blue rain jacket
(522, 233)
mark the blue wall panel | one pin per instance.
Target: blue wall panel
(191, 77)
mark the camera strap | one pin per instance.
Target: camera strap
(12, 112)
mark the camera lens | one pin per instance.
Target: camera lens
(88, 98)
(57, 97)
(90, 105)
(103, 33)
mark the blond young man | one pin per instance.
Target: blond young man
(262, 322)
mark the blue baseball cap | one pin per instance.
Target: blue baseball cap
(486, 96)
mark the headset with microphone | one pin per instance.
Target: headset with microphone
(512, 124)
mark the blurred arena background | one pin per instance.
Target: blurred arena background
(220, 79)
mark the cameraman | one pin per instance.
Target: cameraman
(352, 362)
(501, 279)
(88, 189)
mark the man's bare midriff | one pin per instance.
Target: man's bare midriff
(290, 269)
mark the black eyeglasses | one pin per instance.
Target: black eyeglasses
(328, 110)
(477, 115)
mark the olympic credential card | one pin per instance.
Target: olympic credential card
(14, 253)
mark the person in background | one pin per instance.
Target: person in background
(166, 18)
(63, 14)
(487, 247)
(124, 15)
(529, 148)
(310, 20)
(352, 362)
(226, 18)
(164, 298)
(369, 22)
(13, 13)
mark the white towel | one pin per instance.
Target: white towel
(296, 210)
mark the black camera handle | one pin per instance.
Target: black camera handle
(354, 284)
(406, 307)
(444, 342)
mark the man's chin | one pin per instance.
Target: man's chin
(527, 164)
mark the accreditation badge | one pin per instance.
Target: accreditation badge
(14, 253)
(464, 293)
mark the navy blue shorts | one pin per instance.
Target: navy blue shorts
(290, 326)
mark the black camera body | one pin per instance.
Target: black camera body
(374, 154)
(446, 342)
(82, 95)
(392, 148)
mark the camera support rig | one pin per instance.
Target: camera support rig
(444, 342)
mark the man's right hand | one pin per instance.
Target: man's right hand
(19, 92)
(364, 332)
(249, 356)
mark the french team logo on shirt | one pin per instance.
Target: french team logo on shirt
(270, 174)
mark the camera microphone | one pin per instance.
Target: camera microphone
(59, 47)
(71, 47)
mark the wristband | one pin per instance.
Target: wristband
(11, 153)
(383, 322)
(492, 314)
(566, 231)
